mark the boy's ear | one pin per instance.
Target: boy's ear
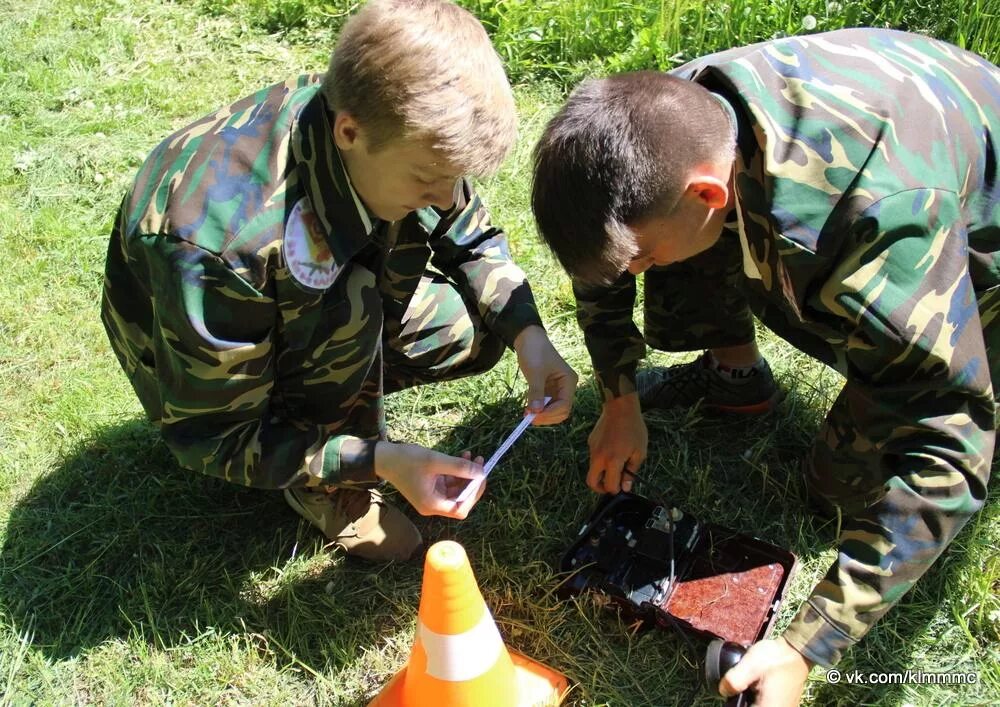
(347, 131)
(710, 191)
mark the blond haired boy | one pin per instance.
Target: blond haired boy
(282, 264)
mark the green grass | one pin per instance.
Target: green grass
(126, 580)
(564, 40)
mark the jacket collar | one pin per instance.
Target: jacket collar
(345, 220)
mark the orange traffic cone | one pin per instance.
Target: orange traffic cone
(458, 658)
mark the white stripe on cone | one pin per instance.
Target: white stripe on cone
(462, 656)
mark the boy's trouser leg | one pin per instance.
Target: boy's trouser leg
(893, 526)
(697, 303)
(842, 470)
(439, 337)
(844, 467)
(989, 317)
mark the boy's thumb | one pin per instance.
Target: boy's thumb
(739, 678)
(536, 399)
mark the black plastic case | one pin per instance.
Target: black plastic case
(725, 585)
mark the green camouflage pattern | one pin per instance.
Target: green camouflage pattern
(868, 225)
(723, 319)
(671, 320)
(261, 313)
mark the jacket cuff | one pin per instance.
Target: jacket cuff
(346, 461)
(617, 381)
(514, 319)
(815, 637)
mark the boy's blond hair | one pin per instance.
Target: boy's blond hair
(425, 70)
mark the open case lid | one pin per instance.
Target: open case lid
(733, 587)
(725, 584)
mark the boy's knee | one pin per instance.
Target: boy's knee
(462, 358)
(836, 480)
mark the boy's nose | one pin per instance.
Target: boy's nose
(443, 195)
(640, 265)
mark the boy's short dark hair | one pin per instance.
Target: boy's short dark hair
(619, 150)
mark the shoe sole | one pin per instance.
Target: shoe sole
(760, 408)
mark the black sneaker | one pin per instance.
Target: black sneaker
(686, 384)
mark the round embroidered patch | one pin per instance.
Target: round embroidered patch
(306, 252)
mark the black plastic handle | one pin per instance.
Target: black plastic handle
(720, 658)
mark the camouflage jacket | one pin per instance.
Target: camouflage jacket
(868, 210)
(246, 287)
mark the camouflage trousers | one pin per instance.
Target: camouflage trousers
(434, 336)
(704, 302)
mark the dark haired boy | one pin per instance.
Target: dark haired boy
(281, 265)
(844, 188)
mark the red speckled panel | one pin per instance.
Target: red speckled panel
(732, 605)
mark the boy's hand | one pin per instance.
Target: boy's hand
(547, 374)
(775, 670)
(429, 480)
(617, 442)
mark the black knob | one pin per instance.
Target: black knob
(720, 658)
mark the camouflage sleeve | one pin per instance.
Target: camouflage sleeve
(920, 407)
(475, 254)
(613, 340)
(213, 390)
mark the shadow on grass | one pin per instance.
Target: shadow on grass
(119, 543)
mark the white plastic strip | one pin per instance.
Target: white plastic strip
(464, 656)
(507, 444)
